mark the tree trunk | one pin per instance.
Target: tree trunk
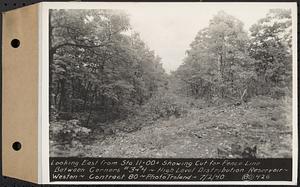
(91, 108)
(73, 95)
(243, 96)
(87, 89)
(63, 98)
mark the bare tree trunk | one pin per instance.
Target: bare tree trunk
(243, 99)
(91, 104)
(87, 89)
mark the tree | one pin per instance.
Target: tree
(216, 59)
(271, 47)
(97, 68)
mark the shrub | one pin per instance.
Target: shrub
(164, 106)
(197, 103)
(65, 132)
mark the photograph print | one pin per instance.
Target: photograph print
(203, 81)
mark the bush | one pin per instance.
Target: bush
(65, 132)
(164, 106)
(197, 103)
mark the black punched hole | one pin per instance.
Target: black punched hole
(23, 4)
(16, 146)
(15, 4)
(15, 43)
(5, 4)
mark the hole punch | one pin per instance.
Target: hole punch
(16, 146)
(15, 43)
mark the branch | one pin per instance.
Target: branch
(243, 95)
(110, 34)
(77, 45)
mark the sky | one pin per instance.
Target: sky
(168, 29)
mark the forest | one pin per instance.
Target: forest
(109, 95)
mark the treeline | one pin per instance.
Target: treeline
(98, 67)
(224, 61)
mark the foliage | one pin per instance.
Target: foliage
(217, 61)
(96, 67)
(270, 46)
(164, 106)
(110, 96)
(160, 107)
(224, 62)
(66, 132)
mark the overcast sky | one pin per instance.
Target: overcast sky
(169, 29)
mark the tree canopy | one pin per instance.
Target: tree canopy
(223, 61)
(97, 65)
